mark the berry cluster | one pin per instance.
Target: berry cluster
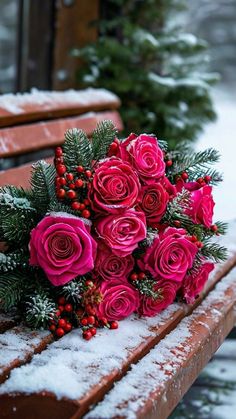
(72, 187)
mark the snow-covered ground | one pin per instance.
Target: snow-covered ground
(222, 136)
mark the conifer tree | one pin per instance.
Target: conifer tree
(155, 68)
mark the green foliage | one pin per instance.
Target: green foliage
(102, 137)
(43, 186)
(12, 288)
(39, 310)
(214, 251)
(11, 260)
(17, 215)
(73, 290)
(157, 70)
(77, 149)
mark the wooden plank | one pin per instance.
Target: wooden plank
(33, 137)
(18, 345)
(73, 29)
(89, 369)
(41, 105)
(154, 387)
(6, 322)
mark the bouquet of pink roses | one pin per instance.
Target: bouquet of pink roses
(112, 228)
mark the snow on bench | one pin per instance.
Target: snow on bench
(155, 385)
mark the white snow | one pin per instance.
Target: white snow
(222, 136)
(15, 103)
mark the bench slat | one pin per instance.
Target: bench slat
(156, 384)
(6, 322)
(41, 135)
(40, 105)
(88, 370)
(18, 345)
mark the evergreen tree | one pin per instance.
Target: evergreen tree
(155, 68)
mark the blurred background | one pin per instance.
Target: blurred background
(173, 65)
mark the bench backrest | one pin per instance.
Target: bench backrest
(36, 122)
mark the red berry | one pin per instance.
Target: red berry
(169, 163)
(103, 320)
(62, 181)
(86, 202)
(84, 321)
(91, 320)
(58, 313)
(61, 169)
(82, 206)
(214, 228)
(177, 223)
(184, 175)
(62, 323)
(93, 330)
(89, 283)
(79, 169)
(194, 238)
(200, 180)
(87, 335)
(75, 205)
(61, 193)
(90, 310)
(52, 328)
(79, 312)
(61, 300)
(114, 325)
(68, 327)
(79, 183)
(71, 194)
(88, 173)
(58, 152)
(141, 275)
(86, 213)
(69, 177)
(133, 276)
(68, 308)
(58, 160)
(61, 308)
(71, 185)
(207, 178)
(60, 332)
(199, 244)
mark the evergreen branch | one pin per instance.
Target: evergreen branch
(73, 291)
(176, 208)
(102, 137)
(15, 192)
(193, 162)
(77, 149)
(10, 261)
(214, 251)
(43, 185)
(163, 145)
(12, 288)
(40, 309)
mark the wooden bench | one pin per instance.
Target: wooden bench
(151, 361)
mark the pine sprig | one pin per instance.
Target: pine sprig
(77, 149)
(102, 138)
(214, 252)
(74, 290)
(11, 260)
(193, 162)
(43, 185)
(176, 208)
(40, 309)
(12, 288)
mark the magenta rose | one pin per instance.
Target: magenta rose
(202, 206)
(63, 247)
(109, 266)
(154, 203)
(170, 255)
(145, 155)
(122, 232)
(194, 284)
(115, 186)
(166, 291)
(120, 299)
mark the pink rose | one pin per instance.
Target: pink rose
(170, 255)
(115, 186)
(109, 266)
(154, 203)
(63, 247)
(120, 300)
(145, 155)
(202, 206)
(122, 232)
(167, 292)
(194, 284)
